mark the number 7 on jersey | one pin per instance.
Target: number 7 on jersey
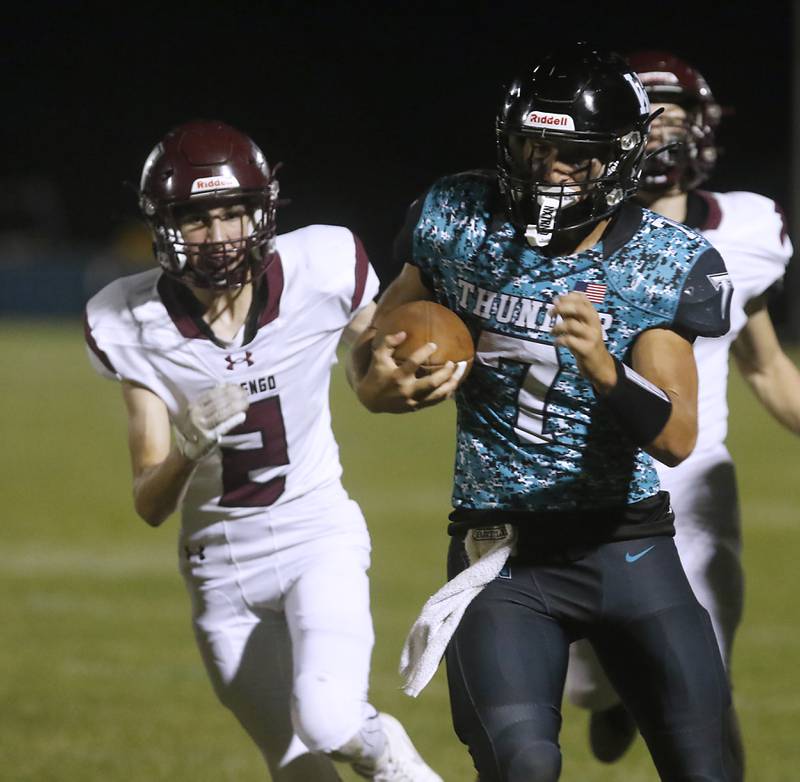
(543, 365)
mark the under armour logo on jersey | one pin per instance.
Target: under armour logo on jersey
(247, 358)
(196, 552)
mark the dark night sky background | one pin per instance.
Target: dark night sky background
(365, 103)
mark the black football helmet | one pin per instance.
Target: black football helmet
(203, 165)
(587, 109)
(690, 158)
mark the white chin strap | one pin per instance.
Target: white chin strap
(539, 235)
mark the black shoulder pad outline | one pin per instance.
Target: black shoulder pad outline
(402, 251)
(705, 301)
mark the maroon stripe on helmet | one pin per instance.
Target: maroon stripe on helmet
(274, 279)
(178, 302)
(362, 269)
(90, 341)
(714, 212)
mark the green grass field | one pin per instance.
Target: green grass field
(99, 675)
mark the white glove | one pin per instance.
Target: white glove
(213, 414)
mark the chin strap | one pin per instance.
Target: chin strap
(551, 200)
(539, 235)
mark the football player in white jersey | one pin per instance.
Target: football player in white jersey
(229, 345)
(750, 233)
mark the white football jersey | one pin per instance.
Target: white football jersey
(750, 234)
(142, 329)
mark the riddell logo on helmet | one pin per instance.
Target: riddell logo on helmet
(542, 119)
(657, 77)
(214, 183)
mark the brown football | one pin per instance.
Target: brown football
(426, 321)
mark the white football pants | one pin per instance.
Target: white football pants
(282, 619)
(708, 537)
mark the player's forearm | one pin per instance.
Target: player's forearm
(158, 490)
(659, 415)
(358, 359)
(677, 439)
(664, 361)
(777, 386)
(667, 430)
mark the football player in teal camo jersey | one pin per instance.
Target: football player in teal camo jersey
(583, 307)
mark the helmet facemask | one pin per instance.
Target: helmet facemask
(224, 264)
(682, 91)
(682, 155)
(556, 183)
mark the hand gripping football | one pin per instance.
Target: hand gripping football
(426, 321)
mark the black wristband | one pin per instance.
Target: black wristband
(640, 408)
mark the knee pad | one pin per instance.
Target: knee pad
(524, 751)
(326, 711)
(535, 761)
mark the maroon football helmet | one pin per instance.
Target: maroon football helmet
(198, 166)
(668, 79)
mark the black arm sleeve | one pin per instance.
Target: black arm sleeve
(404, 241)
(403, 248)
(704, 306)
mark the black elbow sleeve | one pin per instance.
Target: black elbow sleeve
(640, 408)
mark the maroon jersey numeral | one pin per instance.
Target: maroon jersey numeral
(264, 423)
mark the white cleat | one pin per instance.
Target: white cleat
(400, 761)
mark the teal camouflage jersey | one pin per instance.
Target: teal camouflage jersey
(531, 434)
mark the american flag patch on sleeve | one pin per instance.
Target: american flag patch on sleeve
(595, 291)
